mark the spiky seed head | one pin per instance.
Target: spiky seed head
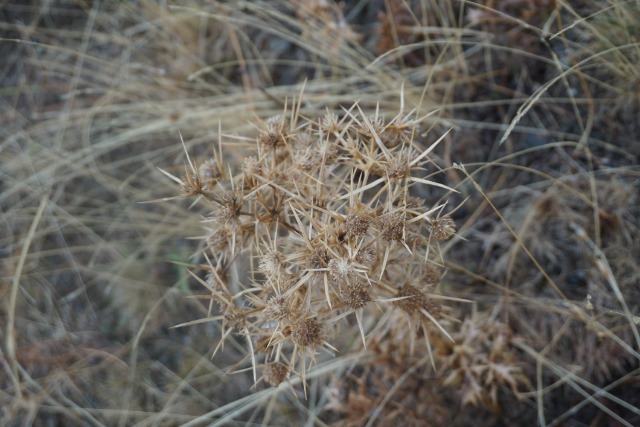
(210, 173)
(275, 373)
(376, 125)
(273, 133)
(393, 136)
(317, 258)
(251, 164)
(304, 159)
(366, 255)
(272, 264)
(331, 123)
(277, 308)
(307, 333)
(340, 268)
(412, 202)
(357, 222)
(230, 206)
(399, 131)
(431, 276)
(355, 295)
(392, 226)
(443, 228)
(398, 166)
(413, 299)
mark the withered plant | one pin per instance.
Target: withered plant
(317, 227)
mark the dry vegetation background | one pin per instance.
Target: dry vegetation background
(543, 99)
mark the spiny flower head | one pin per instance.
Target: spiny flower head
(307, 332)
(273, 133)
(443, 228)
(355, 295)
(275, 373)
(272, 263)
(341, 268)
(210, 173)
(357, 221)
(277, 308)
(411, 299)
(392, 226)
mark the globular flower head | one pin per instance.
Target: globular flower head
(443, 228)
(355, 295)
(272, 264)
(230, 204)
(277, 308)
(412, 299)
(273, 133)
(275, 373)
(357, 221)
(210, 173)
(307, 332)
(341, 268)
(392, 226)
(316, 258)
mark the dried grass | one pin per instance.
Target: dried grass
(540, 97)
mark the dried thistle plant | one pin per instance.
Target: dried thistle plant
(316, 225)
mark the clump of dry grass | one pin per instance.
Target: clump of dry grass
(541, 99)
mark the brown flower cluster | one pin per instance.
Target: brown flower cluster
(317, 225)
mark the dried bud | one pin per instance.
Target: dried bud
(274, 373)
(276, 308)
(340, 268)
(392, 226)
(317, 259)
(307, 333)
(272, 264)
(393, 135)
(398, 166)
(210, 173)
(357, 222)
(273, 134)
(367, 255)
(250, 169)
(219, 239)
(231, 203)
(413, 299)
(355, 295)
(304, 159)
(331, 123)
(443, 228)
(412, 202)
(192, 185)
